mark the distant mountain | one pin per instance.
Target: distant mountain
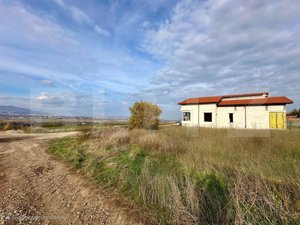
(12, 110)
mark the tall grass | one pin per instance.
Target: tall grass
(273, 154)
(184, 175)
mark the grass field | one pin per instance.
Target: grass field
(181, 175)
(54, 126)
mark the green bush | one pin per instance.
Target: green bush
(144, 115)
(8, 126)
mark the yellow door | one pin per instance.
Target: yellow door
(280, 120)
(284, 120)
(273, 121)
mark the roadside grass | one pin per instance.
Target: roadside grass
(55, 129)
(184, 175)
(28, 126)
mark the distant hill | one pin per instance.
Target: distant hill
(13, 110)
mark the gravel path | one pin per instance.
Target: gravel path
(37, 189)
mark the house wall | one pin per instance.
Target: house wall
(258, 116)
(193, 109)
(255, 117)
(238, 117)
(208, 108)
(197, 114)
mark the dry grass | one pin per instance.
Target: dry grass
(273, 154)
(197, 176)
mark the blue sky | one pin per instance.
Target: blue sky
(95, 58)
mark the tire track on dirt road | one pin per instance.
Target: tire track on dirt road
(37, 189)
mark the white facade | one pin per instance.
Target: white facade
(253, 117)
(239, 116)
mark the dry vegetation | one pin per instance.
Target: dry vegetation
(195, 176)
(55, 126)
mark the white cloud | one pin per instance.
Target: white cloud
(55, 98)
(64, 102)
(145, 24)
(102, 31)
(102, 92)
(17, 21)
(77, 14)
(60, 3)
(47, 82)
(21, 67)
(216, 47)
(44, 96)
(59, 102)
(82, 18)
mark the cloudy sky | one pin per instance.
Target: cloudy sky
(95, 58)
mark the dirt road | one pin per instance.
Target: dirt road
(37, 189)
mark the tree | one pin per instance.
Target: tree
(294, 112)
(144, 115)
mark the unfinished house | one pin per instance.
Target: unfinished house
(252, 110)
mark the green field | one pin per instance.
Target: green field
(180, 175)
(53, 126)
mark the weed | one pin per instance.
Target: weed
(195, 176)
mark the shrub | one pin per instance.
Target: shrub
(7, 126)
(144, 115)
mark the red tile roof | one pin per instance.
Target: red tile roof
(258, 101)
(220, 102)
(201, 100)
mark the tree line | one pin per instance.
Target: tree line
(294, 112)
